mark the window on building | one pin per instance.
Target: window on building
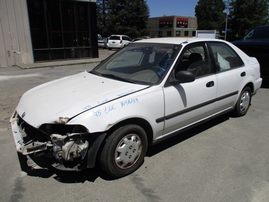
(60, 29)
(186, 33)
(168, 33)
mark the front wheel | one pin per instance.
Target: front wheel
(124, 150)
(243, 102)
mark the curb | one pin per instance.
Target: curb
(102, 55)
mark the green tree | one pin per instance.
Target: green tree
(122, 17)
(210, 14)
(101, 12)
(246, 14)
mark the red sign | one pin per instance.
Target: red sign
(182, 22)
(166, 22)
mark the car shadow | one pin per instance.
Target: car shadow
(41, 166)
(178, 138)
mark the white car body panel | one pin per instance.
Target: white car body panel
(229, 82)
(147, 104)
(183, 97)
(236, 82)
(70, 96)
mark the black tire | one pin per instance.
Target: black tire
(243, 102)
(124, 151)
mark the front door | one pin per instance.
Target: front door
(188, 103)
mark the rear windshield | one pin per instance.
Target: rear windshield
(258, 33)
(114, 37)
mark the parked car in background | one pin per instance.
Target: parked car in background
(102, 42)
(256, 44)
(149, 91)
(118, 41)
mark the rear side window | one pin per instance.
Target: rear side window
(126, 38)
(225, 57)
(114, 38)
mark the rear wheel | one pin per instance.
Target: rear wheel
(124, 150)
(243, 102)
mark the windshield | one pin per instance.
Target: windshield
(141, 63)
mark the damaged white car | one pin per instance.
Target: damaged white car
(142, 94)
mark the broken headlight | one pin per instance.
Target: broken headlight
(69, 142)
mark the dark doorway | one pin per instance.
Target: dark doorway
(62, 29)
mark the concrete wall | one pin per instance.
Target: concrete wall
(15, 39)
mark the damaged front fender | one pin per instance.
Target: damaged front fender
(73, 146)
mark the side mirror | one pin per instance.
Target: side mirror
(185, 76)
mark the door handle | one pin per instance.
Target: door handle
(210, 84)
(243, 74)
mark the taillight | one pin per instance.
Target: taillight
(120, 41)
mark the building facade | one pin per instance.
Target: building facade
(172, 26)
(47, 30)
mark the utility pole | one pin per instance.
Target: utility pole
(226, 24)
(226, 20)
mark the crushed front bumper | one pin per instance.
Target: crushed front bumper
(72, 146)
(26, 148)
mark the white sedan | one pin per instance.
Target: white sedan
(142, 94)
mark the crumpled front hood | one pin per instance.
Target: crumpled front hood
(70, 96)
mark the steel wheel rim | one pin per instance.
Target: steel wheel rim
(244, 102)
(128, 151)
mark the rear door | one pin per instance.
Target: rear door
(231, 75)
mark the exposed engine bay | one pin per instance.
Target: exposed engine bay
(69, 147)
(54, 140)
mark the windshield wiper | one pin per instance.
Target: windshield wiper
(112, 76)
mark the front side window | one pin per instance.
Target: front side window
(142, 63)
(225, 57)
(194, 58)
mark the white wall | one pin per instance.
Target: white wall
(15, 39)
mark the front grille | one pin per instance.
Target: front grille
(32, 133)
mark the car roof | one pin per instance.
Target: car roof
(177, 40)
(263, 26)
(118, 35)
